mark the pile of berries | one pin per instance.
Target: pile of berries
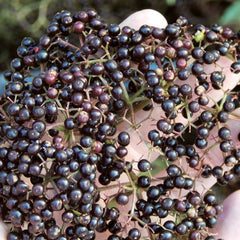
(61, 144)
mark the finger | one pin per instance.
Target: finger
(214, 95)
(146, 122)
(3, 230)
(139, 147)
(229, 220)
(146, 16)
(136, 20)
(139, 141)
(214, 156)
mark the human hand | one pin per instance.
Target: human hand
(229, 219)
(226, 227)
(138, 148)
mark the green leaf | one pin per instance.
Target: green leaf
(67, 136)
(60, 128)
(171, 2)
(158, 165)
(112, 203)
(231, 14)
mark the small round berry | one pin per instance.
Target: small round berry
(224, 133)
(123, 138)
(122, 198)
(144, 165)
(144, 181)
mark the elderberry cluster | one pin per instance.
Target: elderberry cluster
(61, 147)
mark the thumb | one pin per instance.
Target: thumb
(229, 220)
(3, 231)
(146, 16)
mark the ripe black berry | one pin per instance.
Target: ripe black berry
(122, 198)
(60, 128)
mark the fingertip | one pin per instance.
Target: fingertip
(229, 220)
(146, 16)
(232, 199)
(3, 231)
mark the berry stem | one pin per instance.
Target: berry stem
(68, 44)
(125, 184)
(129, 103)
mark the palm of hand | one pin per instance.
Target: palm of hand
(139, 126)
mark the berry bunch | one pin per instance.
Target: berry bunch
(62, 144)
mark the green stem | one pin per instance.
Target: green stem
(129, 103)
(134, 96)
(222, 102)
(93, 61)
(67, 207)
(209, 148)
(77, 213)
(63, 228)
(139, 99)
(235, 115)
(113, 186)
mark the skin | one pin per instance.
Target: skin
(228, 224)
(229, 220)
